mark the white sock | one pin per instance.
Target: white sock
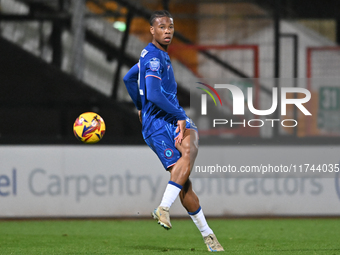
(170, 194)
(201, 223)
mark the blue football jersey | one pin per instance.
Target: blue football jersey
(156, 63)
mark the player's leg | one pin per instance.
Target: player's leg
(188, 148)
(179, 175)
(190, 202)
(189, 199)
(180, 185)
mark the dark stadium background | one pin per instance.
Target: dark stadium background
(40, 97)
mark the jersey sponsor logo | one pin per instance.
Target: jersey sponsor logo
(154, 64)
(144, 52)
(141, 92)
(168, 153)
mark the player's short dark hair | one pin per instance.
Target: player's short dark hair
(158, 14)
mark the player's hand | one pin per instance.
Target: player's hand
(181, 126)
(140, 116)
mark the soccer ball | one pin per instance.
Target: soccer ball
(89, 127)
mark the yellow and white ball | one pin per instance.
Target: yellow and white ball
(89, 127)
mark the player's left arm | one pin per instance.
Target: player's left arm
(181, 127)
(155, 95)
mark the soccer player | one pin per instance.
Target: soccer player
(165, 127)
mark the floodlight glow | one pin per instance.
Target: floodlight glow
(119, 25)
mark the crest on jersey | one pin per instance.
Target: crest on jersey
(154, 64)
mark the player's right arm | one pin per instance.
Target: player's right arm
(130, 80)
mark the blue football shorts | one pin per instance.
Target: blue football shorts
(162, 142)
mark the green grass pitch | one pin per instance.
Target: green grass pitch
(238, 236)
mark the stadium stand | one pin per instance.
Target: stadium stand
(40, 102)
